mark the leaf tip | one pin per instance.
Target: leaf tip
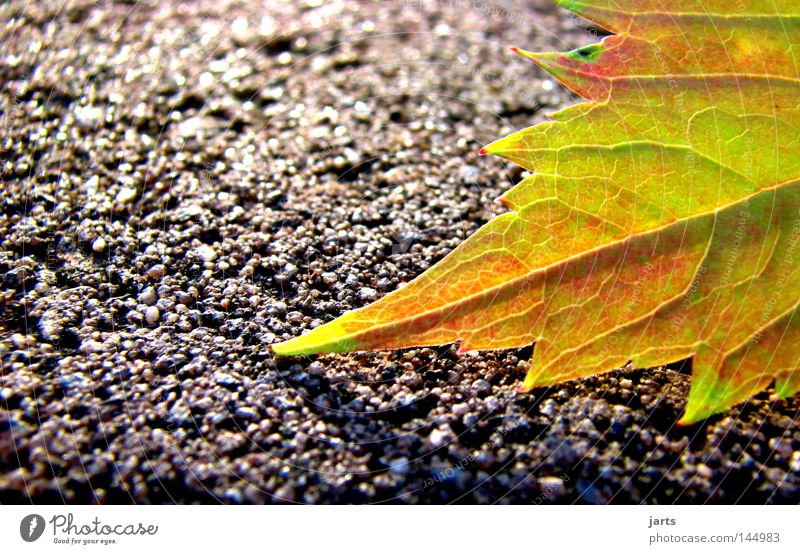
(695, 412)
(524, 388)
(284, 348)
(687, 420)
(522, 52)
(488, 149)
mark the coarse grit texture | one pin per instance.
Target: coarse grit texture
(186, 183)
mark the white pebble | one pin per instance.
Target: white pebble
(151, 315)
(207, 253)
(438, 437)
(99, 244)
(368, 294)
(126, 194)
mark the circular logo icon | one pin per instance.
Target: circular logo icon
(31, 527)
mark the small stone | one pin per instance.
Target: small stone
(91, 346)
(469, 174)
(438, 437)
(125, 195)
(410, 379)
(99, 244)
(196, 125)
(704, 471)
(246, 412)
(460, 409)
(294, 317)
(207, 253)
(229, 441)
(22, 341)
(482, 386)
(156, 272)
(89, 117)
(549, 408)
(399, 466)
(225, 379)
(151, 315)
(329, 278)
(552, 486)
(148, 296)
(781, 446)
(795, 462)
(367, 294)
(164, 363)
(586, 428)
(49, 326)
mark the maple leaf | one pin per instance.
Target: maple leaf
(661, 220)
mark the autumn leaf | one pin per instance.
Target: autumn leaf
(661, 220)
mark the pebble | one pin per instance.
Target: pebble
(225, 379)
(151, 315)
(794, 464)
(439, 437)
(22, 341)
(99, 245)
(207, 253)
(704, 471)
(126, 195)
(89, 117)
(148, 296)
(156, 272)
(246, 412)
(329, 278)
(49, 326)
(552, 486)
(368, 294)
(399, 466)
(92, 346)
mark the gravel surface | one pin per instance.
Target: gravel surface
(186, 183)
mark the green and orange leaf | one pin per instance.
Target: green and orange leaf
(661, 220)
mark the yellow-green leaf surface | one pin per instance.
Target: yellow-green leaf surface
(661, 220)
